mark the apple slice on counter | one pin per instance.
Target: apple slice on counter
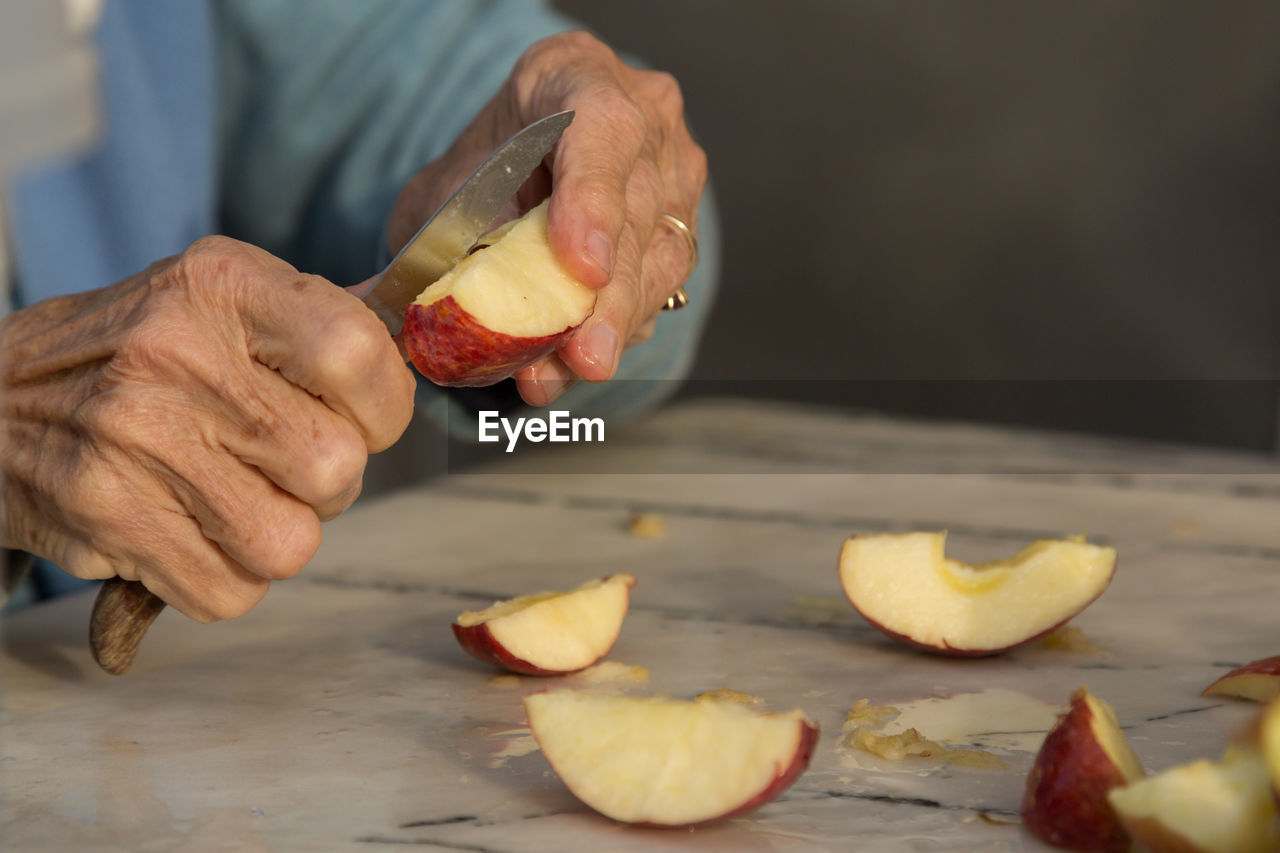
(1083, 757)
(1259, 681)
(548, 633)
(906, 586)
(503, 306)
(1204, 807)
(664, 762)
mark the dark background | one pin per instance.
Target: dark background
(1064, 214)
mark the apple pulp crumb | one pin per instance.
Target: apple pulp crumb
(912, 743)
(867, 716)
(647, 525)
(725, 694)
(859, 733)
(1071, 639)
(504, 681)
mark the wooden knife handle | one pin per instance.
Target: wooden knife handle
(122, 613)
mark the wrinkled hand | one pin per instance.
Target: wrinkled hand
(626, 158)
(191, 426)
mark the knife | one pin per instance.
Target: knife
(124, 610)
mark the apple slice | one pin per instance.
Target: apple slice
(905, 586)
(1083, 757)
(548, 633)
(1203, 807)
(1271, 745)
(659, 761)
(497, 309)
(1259, 681)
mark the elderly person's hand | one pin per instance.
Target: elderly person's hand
(191, 426)
(626, 159)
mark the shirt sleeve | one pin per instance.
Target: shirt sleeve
(327, 107)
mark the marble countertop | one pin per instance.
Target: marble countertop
(341, 715)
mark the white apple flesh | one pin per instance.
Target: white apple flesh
(906, 586)
(548, 633)
(663, 762)
(1203, 807)
(1084, 756)
(1270, 739)
(497, 310)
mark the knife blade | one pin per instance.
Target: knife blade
(460, 221)
(124, 610)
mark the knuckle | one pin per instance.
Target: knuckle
(336, 467)
(554, 48)
(230, 601)
(355, 343)
(287, 543)
(696, 162)
(117, 423)
(209, 256)
(156, 348)
(553, 52)
(581, 40)
(663, 89)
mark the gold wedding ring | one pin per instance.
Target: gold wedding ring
(679, 299)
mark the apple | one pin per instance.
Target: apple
(1270, 743)
(548, 633)
(1259, 681)
(905, 586)
(1083, 757)
(1204, 807)
(663, 762)
(503, 306)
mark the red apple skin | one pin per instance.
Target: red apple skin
(478, 641)
(780, 783)
(450, 347)
(1266, 667)
(952, 651)
(786, 777)
(1065, 800)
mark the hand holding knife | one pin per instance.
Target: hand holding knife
(124, 610)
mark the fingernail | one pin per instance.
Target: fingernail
(601, 346)
(600, 250)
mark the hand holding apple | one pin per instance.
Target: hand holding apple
(627, 158)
